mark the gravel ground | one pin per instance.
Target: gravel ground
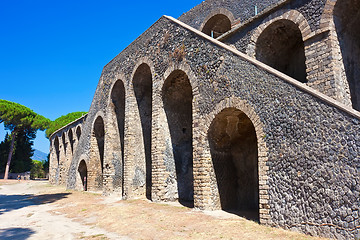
(25, 213)
(37, 210)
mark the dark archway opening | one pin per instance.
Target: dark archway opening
(281, 46)
(99, 134)
(347, 22)
(142, 84)
(217, 25)
(57, 149)
(83, 174)
(71, 140)
(118, 101)
(64, 142)
(78, 133)
(177, 99)
(234, 153)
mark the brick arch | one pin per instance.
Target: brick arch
(242, 105)
(339, 55)
(186, 69)
(292, 15)
(82, 172)
(327, 17)
(345, 24)
(218, 11)
(56, 147)
(95, 170)
(141, 61)
(64, 142)
(141, 88)
(79, 181)
(98, 114)
(85, 158)
(118, 77)
(110, 106)
(71, 137)
(55, 161)
(177, 95)
(115, 134)
(326, 20)
(65, 153)
(78, 132)
(205, 156)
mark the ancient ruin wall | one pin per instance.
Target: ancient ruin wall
(240, 10)
(323, 62)
(308, 150)
(63, 143)
(328, 34)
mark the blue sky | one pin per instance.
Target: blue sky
(52, 52)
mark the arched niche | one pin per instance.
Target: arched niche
(280, 45)
(78, 132)
(347, 22)
(63, 138)
(82, 169)
(99, 134)
(118, 102)
(234, 153)
(71, 140)
(217, 25)
(116, 135)
(97, 154)
(177, 100)
(57, 149)
(142, 84)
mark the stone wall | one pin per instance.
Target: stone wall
(330, 66)
(306, 146)
(181, 116)
(324, 67)
(241, 10)
(63, 143)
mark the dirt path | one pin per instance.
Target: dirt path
(25, 213)
(36, 210)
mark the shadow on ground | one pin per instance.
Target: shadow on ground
(15, 233)
(249, 215)
(14, 202)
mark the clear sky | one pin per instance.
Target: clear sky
(52, 52)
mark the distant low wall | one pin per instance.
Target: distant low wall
(23, 176)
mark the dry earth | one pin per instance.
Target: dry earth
(37, 210)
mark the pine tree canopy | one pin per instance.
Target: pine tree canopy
(15, 115)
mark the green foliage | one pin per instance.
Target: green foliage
(16, 116)
(63, 121)
(4, 152)
(23, 124)
(21, 159)
(37, 170)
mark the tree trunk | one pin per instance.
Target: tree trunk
(13, 135)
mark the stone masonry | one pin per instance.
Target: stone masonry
(224, 109)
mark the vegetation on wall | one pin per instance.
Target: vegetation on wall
(63, 121)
